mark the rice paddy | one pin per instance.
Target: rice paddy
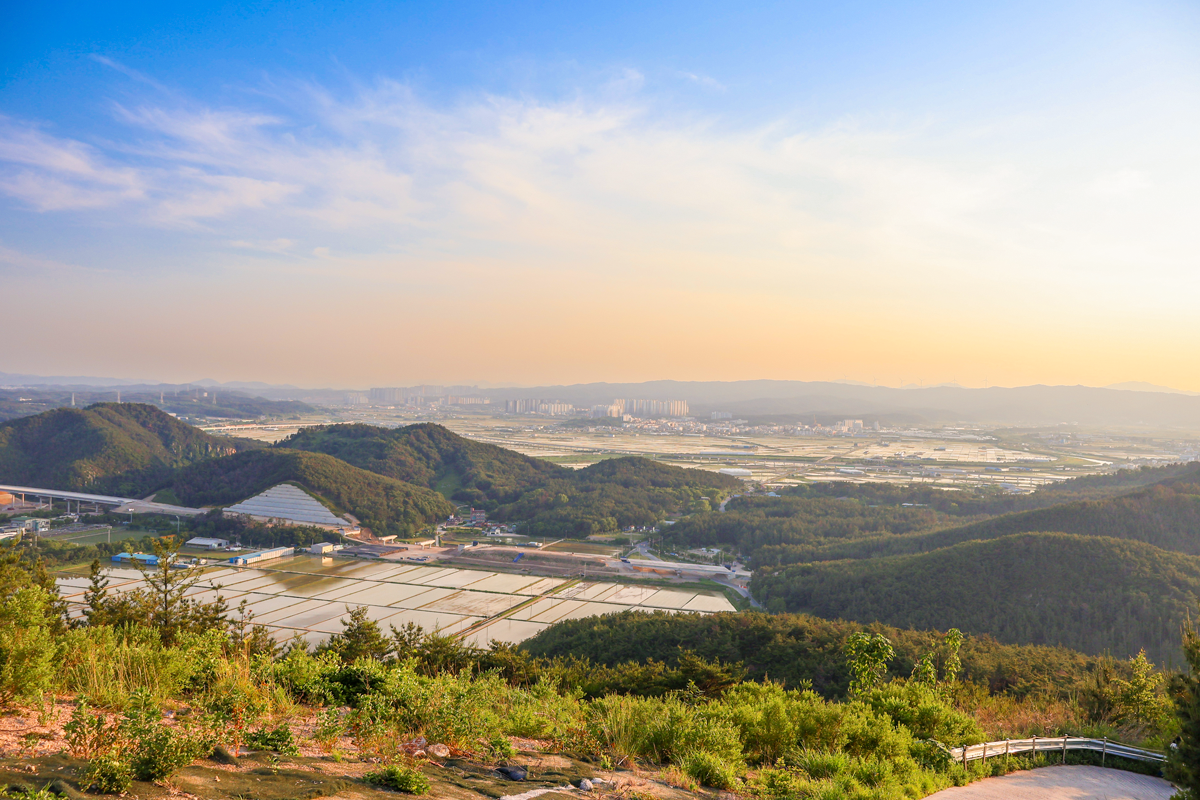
(311, 596)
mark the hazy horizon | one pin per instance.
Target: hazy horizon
(1000, 194)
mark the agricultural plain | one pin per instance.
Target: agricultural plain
(311, 596)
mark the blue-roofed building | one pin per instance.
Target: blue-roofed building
(264, 555)
(145, 559)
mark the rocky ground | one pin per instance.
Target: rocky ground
(34, 755)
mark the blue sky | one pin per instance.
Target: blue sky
(847, 188)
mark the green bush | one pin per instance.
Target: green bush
(106, 665)
(27, 646)
(923, 711)
(279, 739)
(709, 770)
(399, 778)
(107, 774)
(821, 765)
(155, 751)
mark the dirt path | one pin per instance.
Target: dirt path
(1063, 783)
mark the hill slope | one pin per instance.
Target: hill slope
(383, 504)
(1090, 593)
(432, 456)
(1166, 515)
(126, 449)
(550, 500)
(793, 648)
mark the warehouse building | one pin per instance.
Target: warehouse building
(201, 543)
(261, 556)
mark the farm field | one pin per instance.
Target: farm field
(1009, 459)
(311, 596)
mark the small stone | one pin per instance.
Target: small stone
(439, 750)
(585, 785)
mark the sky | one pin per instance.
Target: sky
(364, 194)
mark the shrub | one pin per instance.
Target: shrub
(107, 665)
(399, 778)
(234, 700)
(107, 774)
(279, 739)
(27, 647)
(709, 770)
(821, 765)
(330, 727)
(501, 748)
(308, 678)
(155, 751)
(88, 735)
(923, 711)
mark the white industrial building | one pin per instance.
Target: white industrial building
(201, 543)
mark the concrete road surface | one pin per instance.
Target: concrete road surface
(1063, 783)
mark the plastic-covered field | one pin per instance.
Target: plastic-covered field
(504, 630)
(313, 596)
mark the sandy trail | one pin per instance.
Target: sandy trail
(1063, 783)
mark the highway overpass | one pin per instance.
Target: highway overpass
(122, 505)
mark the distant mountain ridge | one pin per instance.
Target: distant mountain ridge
(1033, 405)
(1132, 403)
(1143, 386)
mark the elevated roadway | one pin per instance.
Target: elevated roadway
(122, 505)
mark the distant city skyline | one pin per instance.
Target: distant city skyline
(995, 194)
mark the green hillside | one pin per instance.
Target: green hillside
(970, 503)
(547, 499)
(784, 530)
(383, 504)
(830, 522)
(1166, 516)
(128, 449)
(793, 648)
(429, 455)
(1090, 593)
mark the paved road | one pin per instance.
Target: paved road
(1063, 783)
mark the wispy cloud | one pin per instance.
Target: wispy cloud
(129, 72)
(31, 266)
(706, 81)
(600, 183)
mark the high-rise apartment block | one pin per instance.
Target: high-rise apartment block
(386, 397)
(653, 408)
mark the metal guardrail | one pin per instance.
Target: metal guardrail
(1054, 744)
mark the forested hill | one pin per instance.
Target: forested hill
(383, 504)
(793, 648)
(1089, 593)
(548, 500)
(429, 455)
(1166, 515)
(968, 503)
(128, 449)
(833, 521)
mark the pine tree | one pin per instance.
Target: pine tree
(96, 597)
(1183, 757)
(360, 638)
